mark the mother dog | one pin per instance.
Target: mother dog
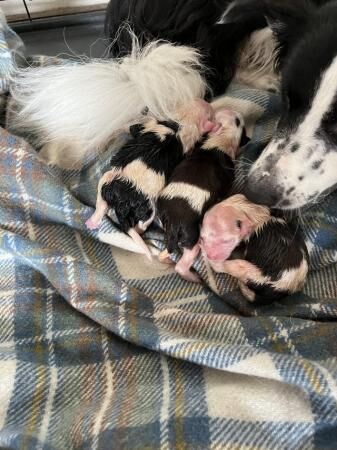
(300, 162)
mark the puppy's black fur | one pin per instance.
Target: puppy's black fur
(131, 204)
(278, 247)
(211, 170)
(162, 156)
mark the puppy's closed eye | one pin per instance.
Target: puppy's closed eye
(244, 138)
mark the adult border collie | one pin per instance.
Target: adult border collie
(300, 163)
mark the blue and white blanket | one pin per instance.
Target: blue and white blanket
(100, 349)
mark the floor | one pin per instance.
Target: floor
(71, 39)
(18, 9)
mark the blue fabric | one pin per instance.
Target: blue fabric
(100, 349)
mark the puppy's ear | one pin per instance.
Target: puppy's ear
(246, 228)
(136, 129)
(244, 138)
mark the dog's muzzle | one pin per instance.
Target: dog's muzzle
(261, 188)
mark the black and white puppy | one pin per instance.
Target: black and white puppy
(204, 178)
(300, 162)
(263, 251)
(142, 167)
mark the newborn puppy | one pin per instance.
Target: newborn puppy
(204, 178)
(270, 260)
(141, 168)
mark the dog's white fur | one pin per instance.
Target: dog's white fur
(294, 172)
(322, 102)
(78, 107)
(256, 65)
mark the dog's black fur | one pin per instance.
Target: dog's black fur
(193, 23)
(185, 22)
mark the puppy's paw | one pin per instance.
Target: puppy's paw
(165, 258)
(188, 275)
(91, 224)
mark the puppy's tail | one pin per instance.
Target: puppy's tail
(80, 106)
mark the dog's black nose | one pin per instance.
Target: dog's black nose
(262, 192)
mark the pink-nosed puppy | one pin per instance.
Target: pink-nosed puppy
(271, 259)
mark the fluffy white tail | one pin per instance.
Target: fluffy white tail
(80, 106)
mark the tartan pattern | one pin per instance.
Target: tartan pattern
(100, 349)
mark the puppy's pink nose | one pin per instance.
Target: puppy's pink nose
(214, 254)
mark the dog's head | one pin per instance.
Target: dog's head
(300, 162)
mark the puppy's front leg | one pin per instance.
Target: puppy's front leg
(183, 267)
(102, 207)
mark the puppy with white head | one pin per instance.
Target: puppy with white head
(142, 167)
(204, 178)
(270, 258)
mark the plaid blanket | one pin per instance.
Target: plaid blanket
(101, 349)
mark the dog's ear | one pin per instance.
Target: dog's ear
(288, 20)
(244, 138)
(242, 11)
